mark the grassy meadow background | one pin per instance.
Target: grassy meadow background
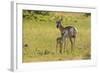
(40, 33)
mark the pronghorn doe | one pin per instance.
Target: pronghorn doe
(67, 32)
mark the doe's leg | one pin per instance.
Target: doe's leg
(64, 45)
(71, 43)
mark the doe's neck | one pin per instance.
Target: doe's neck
(61, 28)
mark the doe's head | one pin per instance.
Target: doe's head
(58, 22)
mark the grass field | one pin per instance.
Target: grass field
(40, 33)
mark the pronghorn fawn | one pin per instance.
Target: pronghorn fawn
(59, 44)
(68, 32)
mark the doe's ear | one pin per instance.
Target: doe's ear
(61, 19)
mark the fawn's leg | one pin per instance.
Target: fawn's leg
(60, 47)
(56, 47)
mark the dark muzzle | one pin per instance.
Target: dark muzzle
(57, 26)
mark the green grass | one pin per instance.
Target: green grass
(40, 36)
